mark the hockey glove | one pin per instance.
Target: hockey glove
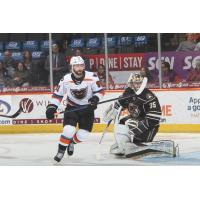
(125, 102)
(50, 111)
(111, 112)
(93, 102)
(137, 127)
(132, 123)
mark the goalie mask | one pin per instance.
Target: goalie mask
(137, 81)
(77, 66)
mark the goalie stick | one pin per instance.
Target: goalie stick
(143, 85)
(105, 130)
(98, 154)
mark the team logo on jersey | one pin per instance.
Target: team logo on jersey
(149, 96)
(79, 93)
(133, 110)
(134, 98)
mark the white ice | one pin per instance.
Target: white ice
(39, 150)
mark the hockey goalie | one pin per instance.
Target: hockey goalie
(134, 133)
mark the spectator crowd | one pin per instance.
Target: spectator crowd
(28, 72)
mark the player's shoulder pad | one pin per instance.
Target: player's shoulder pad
(149, 94)
(91, 75)
(67, 77)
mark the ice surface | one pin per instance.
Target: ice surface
(39, 150)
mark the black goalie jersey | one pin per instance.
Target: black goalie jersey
(144, 108)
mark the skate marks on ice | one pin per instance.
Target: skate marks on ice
(189, 153)
(39, 150)
(25, 149)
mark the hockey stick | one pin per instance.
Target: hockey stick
(98, 154)
(15, 114)
(143, 85)
(86, 106)
(105, 130)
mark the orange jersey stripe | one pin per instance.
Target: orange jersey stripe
(86, 79)
(65, 141)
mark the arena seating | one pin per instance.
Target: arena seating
(31, 45)
(92, 45)
(13, 46)
(112, 45)
(125, 44)
(1, 46)
(17, 56)
(44, 45)
(1, 56)
(38, 55)
(77, 43)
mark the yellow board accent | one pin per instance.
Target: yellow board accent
(57, 128)
(164, 128)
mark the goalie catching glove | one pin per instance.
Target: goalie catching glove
(111, 112)
(50, 111)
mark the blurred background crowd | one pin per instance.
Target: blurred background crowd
(25, 61)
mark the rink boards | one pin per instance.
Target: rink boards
(180, 112)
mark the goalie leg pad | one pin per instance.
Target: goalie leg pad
(122, 136)
(162, 147)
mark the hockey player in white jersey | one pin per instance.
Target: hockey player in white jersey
(80, 88)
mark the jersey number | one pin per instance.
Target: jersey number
(153, 105)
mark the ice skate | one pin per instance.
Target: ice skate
(59, 155)
(70, 149)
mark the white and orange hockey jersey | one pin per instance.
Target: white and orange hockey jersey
(77, 92)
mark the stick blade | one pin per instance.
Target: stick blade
(14, 115)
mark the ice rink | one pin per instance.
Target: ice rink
(39, 150)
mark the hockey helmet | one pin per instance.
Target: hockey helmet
(135, 80)
(77, 61)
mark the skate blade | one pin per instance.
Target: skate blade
(56, 163)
